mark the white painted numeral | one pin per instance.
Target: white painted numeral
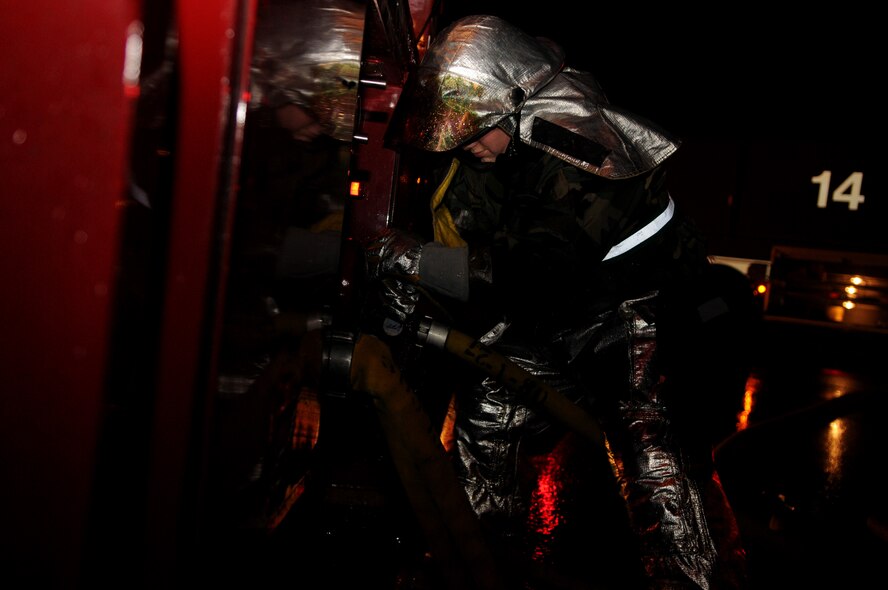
(847, 192)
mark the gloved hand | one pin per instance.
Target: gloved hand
(392, 260)
(398, 300)
(394, 254)
(400, 262)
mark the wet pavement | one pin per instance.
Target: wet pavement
(802, 471)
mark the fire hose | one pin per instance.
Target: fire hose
(454, 534)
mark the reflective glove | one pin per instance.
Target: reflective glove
(398, 300)
(400, 262)
(394, 254)
(392, 266)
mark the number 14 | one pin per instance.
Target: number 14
(847, 192)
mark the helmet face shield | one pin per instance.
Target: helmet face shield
(474, 75)
(453, 110)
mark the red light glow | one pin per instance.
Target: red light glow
(545, 502)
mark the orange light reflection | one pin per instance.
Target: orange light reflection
(753, 386)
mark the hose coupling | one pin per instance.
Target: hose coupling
(432, 333)
(336, 360)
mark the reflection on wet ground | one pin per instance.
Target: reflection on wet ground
(802, 471)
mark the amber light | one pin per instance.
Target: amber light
(355, 189)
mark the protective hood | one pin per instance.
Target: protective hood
(571, 118)
(482, 72)
(308, 53)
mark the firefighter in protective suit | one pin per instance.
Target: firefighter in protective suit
(554, 227)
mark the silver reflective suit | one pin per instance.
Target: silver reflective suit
(481, 73)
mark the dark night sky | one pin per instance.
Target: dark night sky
(737, 73)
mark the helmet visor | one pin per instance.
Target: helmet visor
(439, 113)
(477, 73)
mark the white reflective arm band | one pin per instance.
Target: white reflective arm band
(658, 223)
